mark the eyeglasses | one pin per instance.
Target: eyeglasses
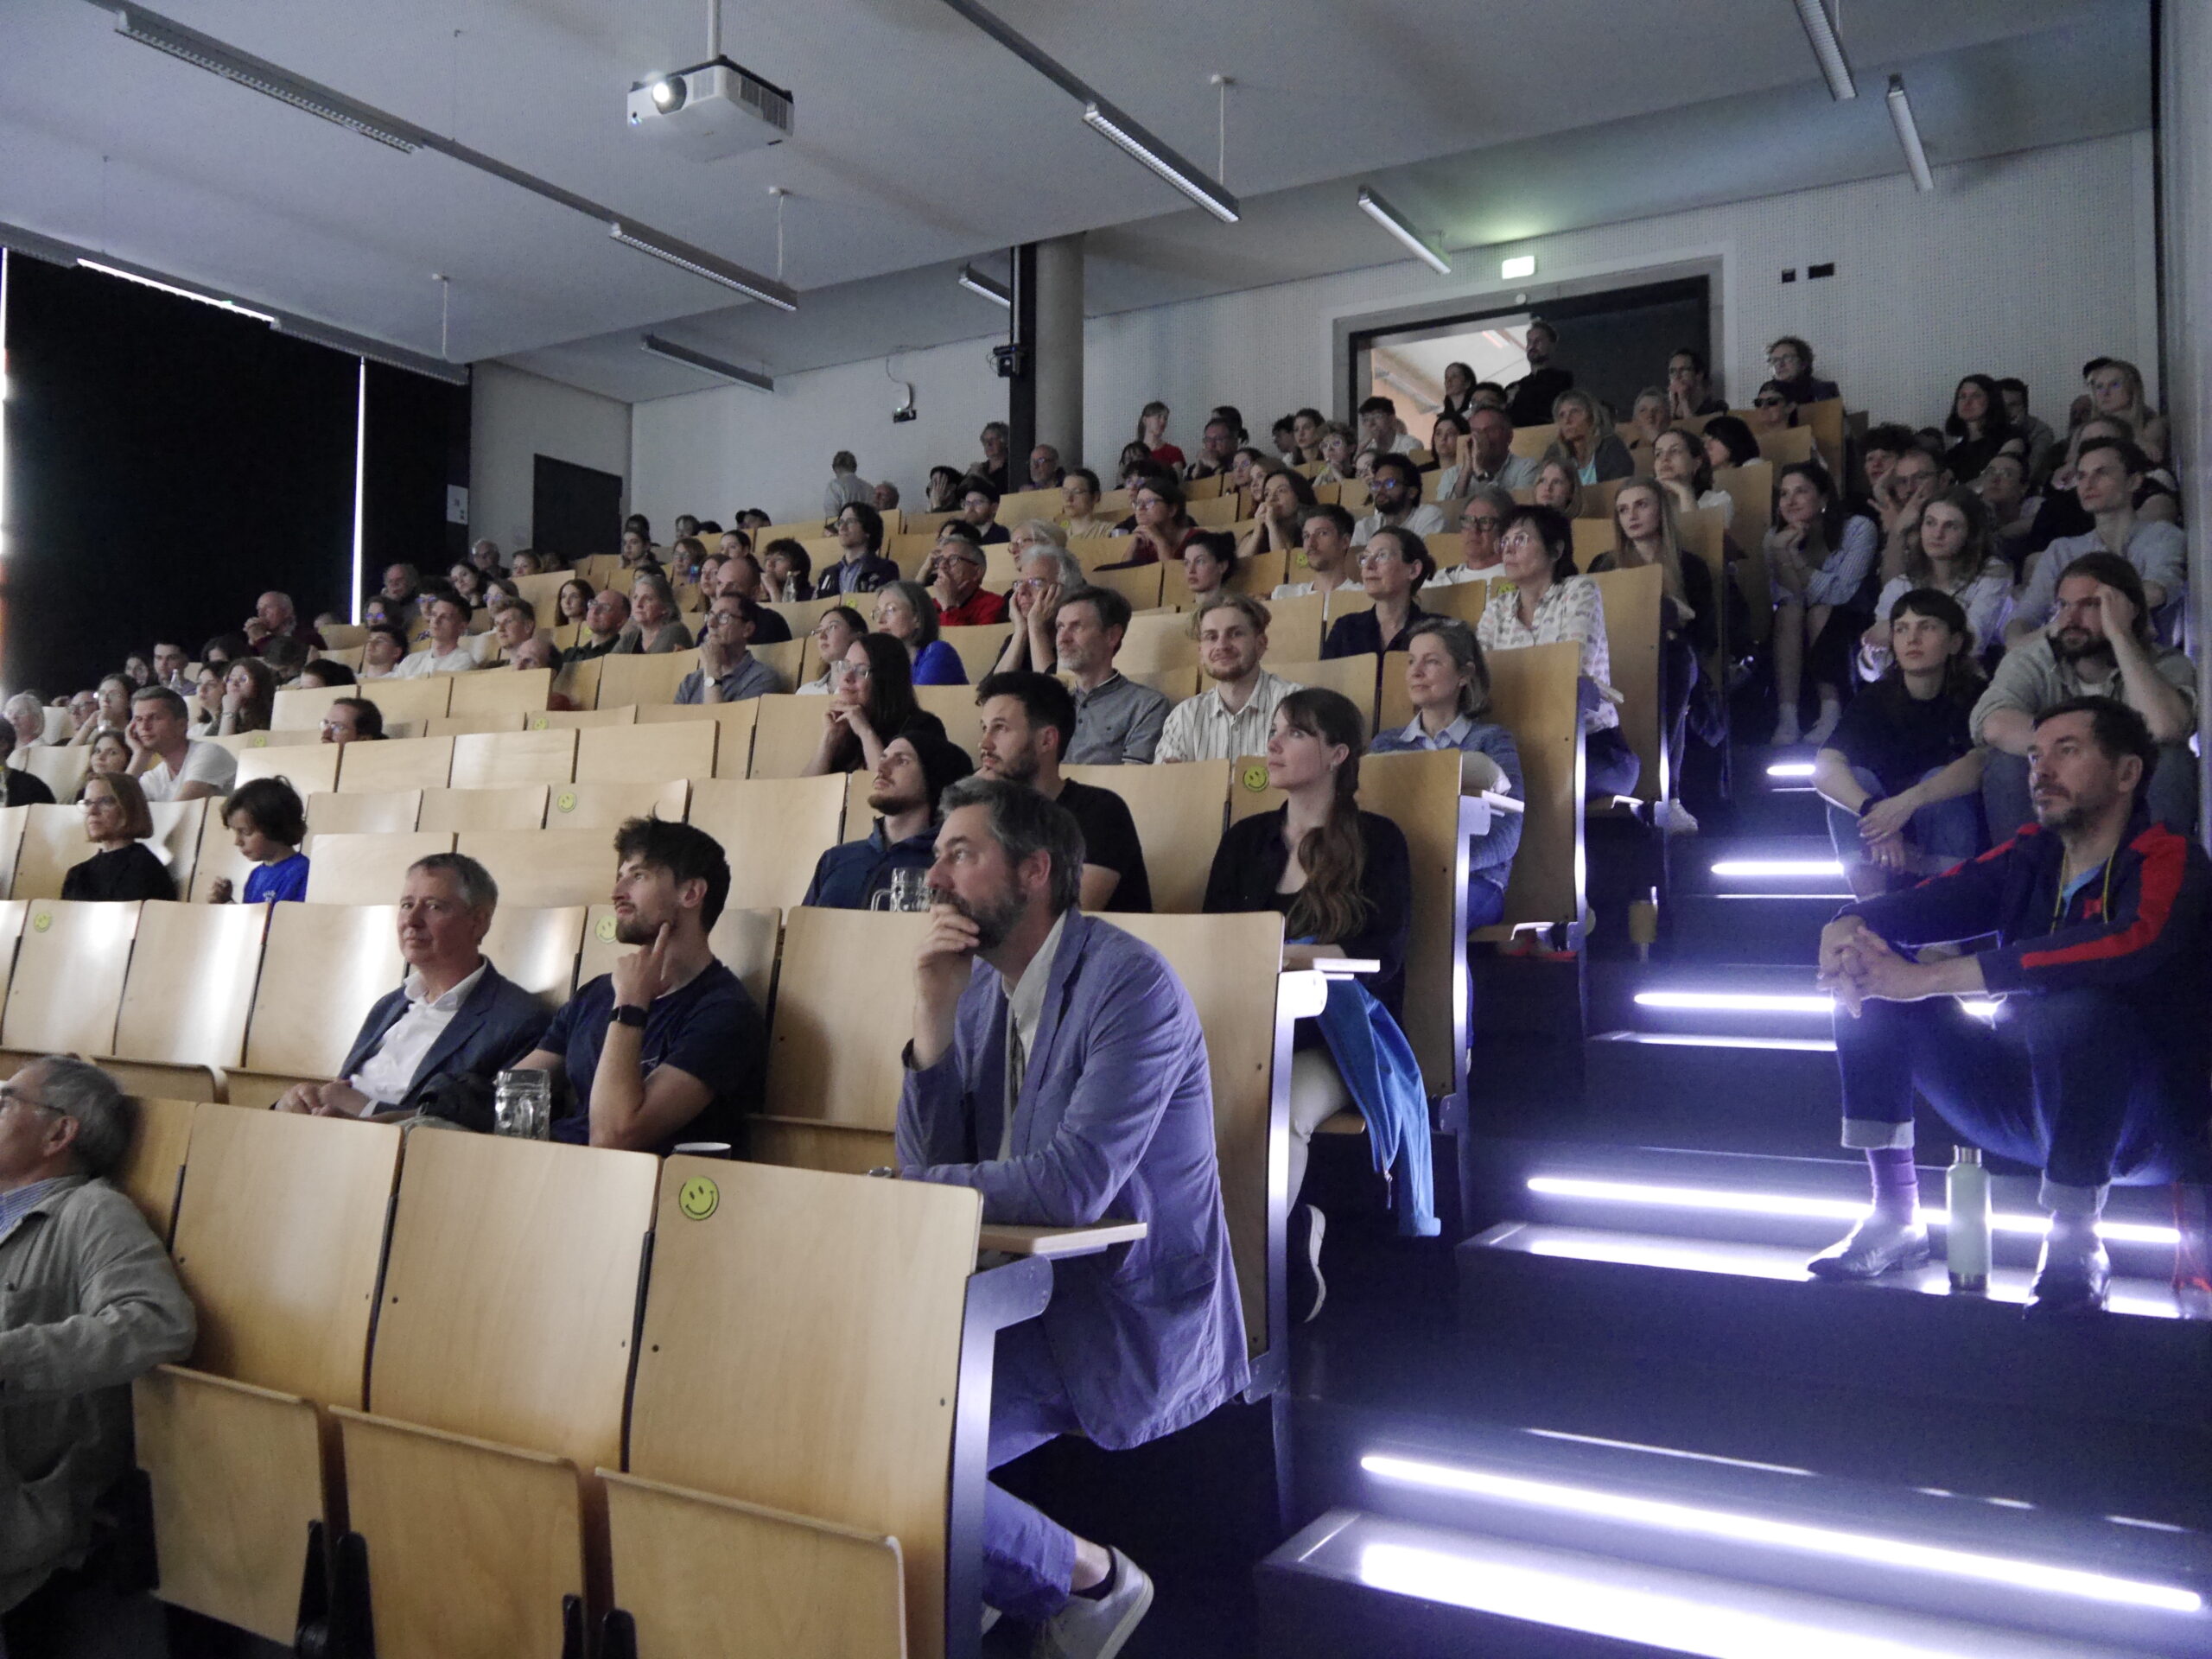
(1481, 526)
(1768, 402)
(853, 671)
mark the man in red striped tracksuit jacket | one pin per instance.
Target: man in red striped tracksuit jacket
(2096, 1067)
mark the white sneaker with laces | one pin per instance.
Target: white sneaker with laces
(1674, 818)
(1097, 1630)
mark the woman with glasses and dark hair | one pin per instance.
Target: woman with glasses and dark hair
(871, 701)
(118, 823)
(1157, 522)
(1820, 557)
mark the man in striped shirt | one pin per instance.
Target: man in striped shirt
(1234, 717)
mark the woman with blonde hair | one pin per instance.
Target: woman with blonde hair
(1646, 531)
(2116, 389)
(1558, 487)
(1586, 440)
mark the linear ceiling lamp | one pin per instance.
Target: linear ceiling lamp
(700, 263)
(1916, 157)
(1819, 32)
(392, 357)
(1404, 229)
(1110, 123)
(669, 351)
(209, 53)
(193, 294)
(986, 287)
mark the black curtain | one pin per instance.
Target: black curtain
(417, 445)
(167, 463)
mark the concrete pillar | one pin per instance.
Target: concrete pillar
(1057, 349)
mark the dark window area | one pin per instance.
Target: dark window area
(418, 444)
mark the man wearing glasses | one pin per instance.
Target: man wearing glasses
(727, 671)
(92, 1303)
(861, 567)
(1396, 490)
(1789, 360)
(963, 601)
(1481, 518)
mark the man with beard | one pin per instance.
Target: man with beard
(1058, 1068)
(669, 1047)
(1028, 723)
(2099, 642)
(1532, 394)
(917, 768)
(2094, 1066)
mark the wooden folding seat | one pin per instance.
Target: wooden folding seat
(544, 867)
(788, 658)
(322, 968)
(13, 819)
(501, 760)
(1464, 600)
(393, 811)
(60, 767)
(1295, 626)
(1180, 813)
(1533, 440)
(510, 690)
(1091, 551)
(1139, 584)
(474, 725)
(344, 636)
(583, 718)
(54, 843)
(494, 1395)
(1631, 600)
(1151, 643)
(908, 552)
(642, 679)
(310, 768)
(773, 832)
(956, 706)
(1173, 683)
(68, 980)
(793, 1417)
(607, 806)
(519, 806)
(409, 700)
(744, 941)
(279, 1234)
(397, 763)
(189, 987)
(579, 683)
(786, 732)
(219, 860)
(978, 647)
(1791, 443)
(734, 721)
(1354, 677)
(537, 947)
(1591, 538)
(152, 1170)
(368, 869)
(543, 594)
(803, 615)
(300, 708)
(647, 753)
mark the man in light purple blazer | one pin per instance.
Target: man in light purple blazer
(1110, 1117)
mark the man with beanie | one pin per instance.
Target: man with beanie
(917, 767)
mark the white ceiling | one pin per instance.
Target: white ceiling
(921, 143)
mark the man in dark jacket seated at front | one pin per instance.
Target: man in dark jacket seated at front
(2095, 1067)
(455, 1015)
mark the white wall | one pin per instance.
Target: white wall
(516, 416)
(2025, 264)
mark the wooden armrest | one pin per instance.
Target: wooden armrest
(1057, 1242)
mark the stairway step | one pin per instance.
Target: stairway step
(1751, 1094)
(1769, 928)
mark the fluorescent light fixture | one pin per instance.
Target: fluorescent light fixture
(1110, 123)
(1727, 1201)
(1777, 867)
(700, 263)
(143, 281)
(1819, 33)
(1398, 225)
(205, 52)
(654, 346)
(1702, 1039)
(1763, 1532)
(1916, 157)
(360, 474)
(1735, 1002)
(1790, 769)
(1521, 264)
(985, 287)
(376, 351)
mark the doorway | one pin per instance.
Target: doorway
(574, 512)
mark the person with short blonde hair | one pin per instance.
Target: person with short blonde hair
(1233, 718)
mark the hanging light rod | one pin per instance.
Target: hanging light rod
(1828, 50)
(205, 52)
(1916, 157)
(1104, 119)
(1404, 229)
(145, 281)
(700, 263)
(986, 287)
(654, 346)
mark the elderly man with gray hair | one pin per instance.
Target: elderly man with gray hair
(1046, 574)
(92, 1302)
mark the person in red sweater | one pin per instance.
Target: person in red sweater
(956, 584)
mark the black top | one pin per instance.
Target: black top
(21, 788)
(709, 1028)
(1900, 738)
(1697, 587)
(130, 872)
(586, 649)
(1250, 864)
(1109, 841)
(1530, 403)
(770, 629)
(1360, 632)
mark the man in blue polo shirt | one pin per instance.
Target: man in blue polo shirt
(669, 1047)
(918, 766)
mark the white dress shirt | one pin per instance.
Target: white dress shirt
(387, 1075)
(426, 661)
(1203, 728)
(1025, 1012)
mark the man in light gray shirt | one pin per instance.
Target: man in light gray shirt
(1117, 722)
(1491, 458)
(846, 485)
(727, 671)
(2106, 474)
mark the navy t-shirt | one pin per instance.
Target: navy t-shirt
(709, 1028)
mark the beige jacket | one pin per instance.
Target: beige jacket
(88, 1301)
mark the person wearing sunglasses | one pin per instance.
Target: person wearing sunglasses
(1773, 409)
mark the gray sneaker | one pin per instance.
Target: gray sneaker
(1096, 1630)
(1877, 1245)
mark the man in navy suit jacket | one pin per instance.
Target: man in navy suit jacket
(454, 1015)
(1109, 1116)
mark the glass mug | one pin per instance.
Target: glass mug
(909, 892)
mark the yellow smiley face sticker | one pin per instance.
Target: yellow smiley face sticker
(1254, 778)
(42, 921)
(258, 741)
(605, 930)
(537, 722)
(1298, 559)
(565, 801)
(698, 1198)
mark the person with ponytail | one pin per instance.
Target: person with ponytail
(1342, 879)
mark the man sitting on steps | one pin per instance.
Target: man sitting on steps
(2096, 1064)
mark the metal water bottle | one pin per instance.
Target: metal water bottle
(1965, 1236)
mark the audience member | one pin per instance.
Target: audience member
(1209, 559)
(1646, 420)
(28, 715)
(1152, 432)
(2106, 472)
(1586, 440)
(955, 585)
(1559, 486)
(727, 671)
(1546, 604)
(607, 621)
(992, 468)
(205, 709)
(1045, 574)
(741, 577)
(1157, 524)
(528, 561)
(1282, 501)
(19, 787)
(1045, 472)
(1392, 568)
(1307, 428)
(2037, 436)
(904, 611)
(1951, 549)
(1772, 409)
(1647, 532)
(1217, 444)
(1689, 387)
(979, 506)
(1100, 1107)
(352, 720)
(324, 673)
(2099, 642)
(654, 628)
(1378, 428)
(1326, 550)
(168, 765)
(249, 697)
(1458, 390)
(1530, 398)
(224, 649)
(1819, 556)
(119, 824)
(1679, 464)
(484, 555)
(904, 791)
(669, 1047)
(2096, 1072)
(448, 651)
(1901, 773)
(168, 668)
(1447, 440)
(1729, 442)
(1481, 516)
(513, 624)
(1447, 681)
(887, 497)
(268, 821)
(637, 550)
(1234, 717)
(2116, 390)
(1914, 478)
(1396, 491)
(944, 489)
(1284, 435)
(1117, 720)
(1079, 498)
(138, 670)
(1789, 360)
(835, 630)
(2003, 487)
(1977, 425)
(872, 697)
(110, 708)
(1028, 721)
(92, 1304)
(466, 580)
(789, 573)
(400, 583)
(1491, 458)
(454, 1023)
(860, 566)
(1340, 455)
(846, 485)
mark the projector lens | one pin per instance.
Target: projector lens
(668, 96)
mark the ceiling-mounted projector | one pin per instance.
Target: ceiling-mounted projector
(711, 110)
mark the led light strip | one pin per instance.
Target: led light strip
(1372, 204)
(1141, 147)
(1983, 1007)
(1764, 1532)
(986, 287)
(231, 306)
(1790, 769)
(1777, 867)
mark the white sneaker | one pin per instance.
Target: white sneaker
(1316, 1225)
(1097, 1630)
(1824, 728)
(1673, 818)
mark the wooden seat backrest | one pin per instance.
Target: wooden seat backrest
(1791, 443)
(368, 869)
(407, 700)
(69, 970)
(1533, 697)
(189, 987)
(1419, 793)
(607, 806)
(734, 721)
(279, 1233)
(773, 832)
(1533, 440)
(782, 1363)
(1139, 584)
(1463, 599)
(301, 707)
(1351, 676)
(643, 678)
(12, 822)
(1152, 643)
(544, 867)
(59, 766)
(310, 768)
(517, 806)
(978, 646)
(397, 763)
(537, 947)
(151, 1168)
(651, 753)
(536, 1353)
(501, 691)
(1295, 626)
(1178, 812)
(956, 706)
(1631, 608)
(786, 732)
(579, 683)
(219, 860)
(323, 967)
(502, 760)
(744, 941)
(393, 811)
(823, 1065)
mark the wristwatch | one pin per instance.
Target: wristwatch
(624, 1015)
(1869, 804)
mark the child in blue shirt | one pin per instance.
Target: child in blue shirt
(268, 821)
